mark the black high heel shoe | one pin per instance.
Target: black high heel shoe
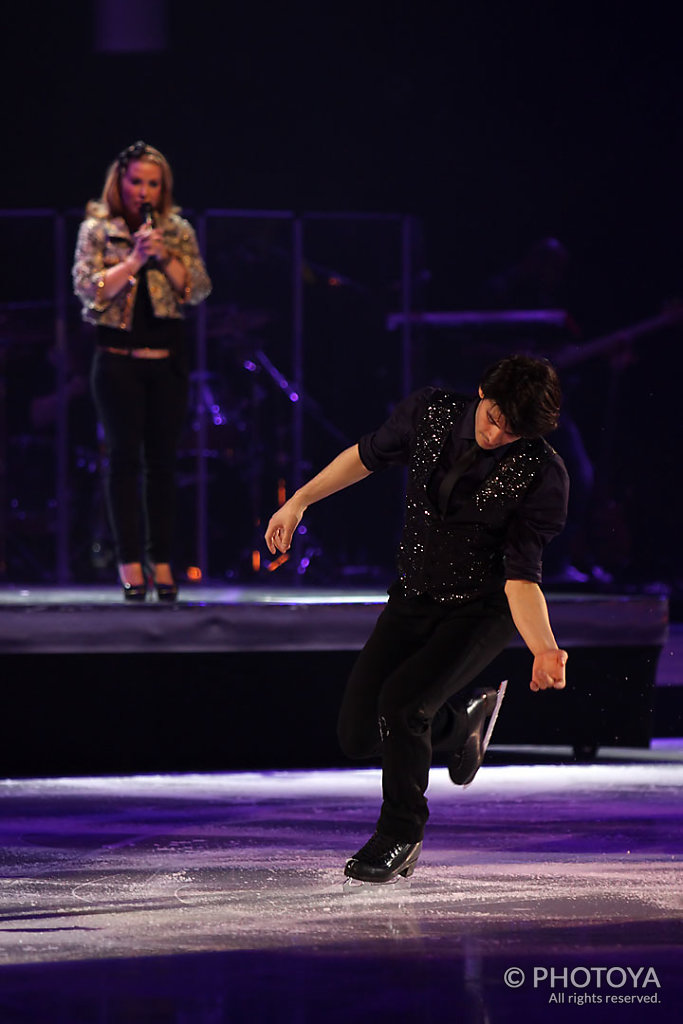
(134, 591)
(165, 591)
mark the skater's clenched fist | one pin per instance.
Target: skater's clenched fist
(548, 670)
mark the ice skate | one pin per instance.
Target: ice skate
(383, 859)
(482, 711)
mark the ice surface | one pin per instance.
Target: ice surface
(541, 864)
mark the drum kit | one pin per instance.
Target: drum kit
(238, 439)
(219, 407)
(239, 436)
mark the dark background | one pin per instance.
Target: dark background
(495, 123)
(498, 123)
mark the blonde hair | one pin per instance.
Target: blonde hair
(110, 202)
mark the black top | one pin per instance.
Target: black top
(541, 511)
(148, 330)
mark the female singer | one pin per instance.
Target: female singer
(137, 264)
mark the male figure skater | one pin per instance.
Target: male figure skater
(485, 494)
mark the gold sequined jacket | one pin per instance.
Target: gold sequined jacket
(104, 241)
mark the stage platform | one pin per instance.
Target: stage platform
(95, 619)
(250, 677)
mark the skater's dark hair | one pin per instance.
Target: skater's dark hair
(527, 392)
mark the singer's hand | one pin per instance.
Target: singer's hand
(152, 243)
(159, 250)
(147, 240)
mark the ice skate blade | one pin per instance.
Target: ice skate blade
(355, 886)
(492, 721)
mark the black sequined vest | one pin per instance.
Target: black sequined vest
(460, 557)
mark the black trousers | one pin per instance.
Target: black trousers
(141, 404)
(396, 703)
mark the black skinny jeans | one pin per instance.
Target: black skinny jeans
(141, 404)
(420, 654)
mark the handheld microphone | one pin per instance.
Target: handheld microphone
(147, 214)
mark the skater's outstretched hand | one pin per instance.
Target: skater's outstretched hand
(548, 670)
(282, 525)
(344, 470)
